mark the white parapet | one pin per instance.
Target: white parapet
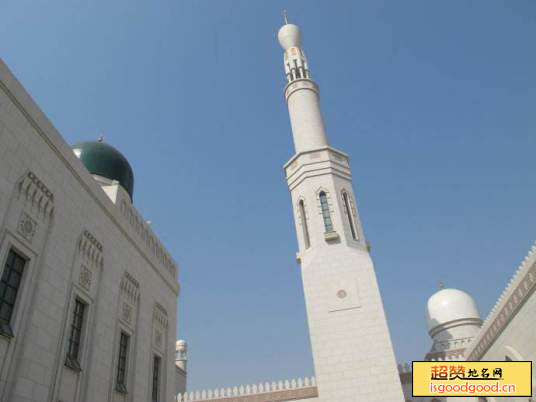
(516, 292)
(405, 368)
(255, 389)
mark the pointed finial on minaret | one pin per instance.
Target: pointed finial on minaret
(441, 285)
(100, 138)
(285, 16)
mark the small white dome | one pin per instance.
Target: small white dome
(449, 305)
(289, 36)
(180, 345)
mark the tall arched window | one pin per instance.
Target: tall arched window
(328, 224)
(349, 214)
(305, 230)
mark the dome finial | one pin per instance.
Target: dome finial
(100, 138)
(441, 285)
(285, 16)
(289, 35)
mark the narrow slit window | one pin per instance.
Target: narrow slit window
(9, 287)
(121, 383)
(73, 347)
(156, 379)
(303, 218)
(350, 215)
(328, 224)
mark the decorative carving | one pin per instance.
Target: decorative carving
(127, 313)
(90, 249)
(158, 338)
(27, 226)
(160, 324)
(85, 277)
(160, 315)
(36, 195)
(130, 288)
(345, 294)
(341, 294)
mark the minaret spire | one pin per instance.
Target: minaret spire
(301, 93)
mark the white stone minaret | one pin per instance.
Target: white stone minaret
(352, 350)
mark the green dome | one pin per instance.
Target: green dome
(106, 161)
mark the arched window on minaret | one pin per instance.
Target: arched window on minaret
(305, 230)
(349, 214)
(328, 224)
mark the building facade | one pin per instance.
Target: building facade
(87, 291)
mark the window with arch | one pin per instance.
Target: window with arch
(324, 206)
(349, 214)
(305, 230)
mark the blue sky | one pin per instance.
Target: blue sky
(434, 102)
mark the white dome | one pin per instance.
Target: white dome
(180, 345)
(289, 36)
(449, 305)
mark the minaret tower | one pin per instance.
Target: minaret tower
(352, 350)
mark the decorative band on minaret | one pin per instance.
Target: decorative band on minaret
(301, 94)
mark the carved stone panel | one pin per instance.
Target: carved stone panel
(85, 278)
(26, 226)
(160, 323)
(126, 313)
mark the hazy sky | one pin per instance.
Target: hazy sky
(433, 100)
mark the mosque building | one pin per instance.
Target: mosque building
(88, 292)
